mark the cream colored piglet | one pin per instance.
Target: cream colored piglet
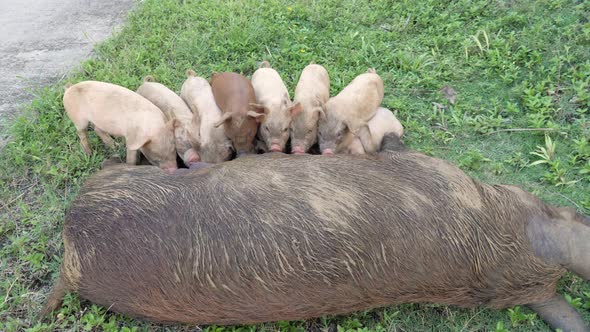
(348, 112)
(272, 96)
(215, 145)
(312, 92)
(120, 112)
(382, 123)
(186, 126)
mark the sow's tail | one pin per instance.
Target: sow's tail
(55, 298)
(149, 78)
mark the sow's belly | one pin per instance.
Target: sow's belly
(260, 278)
(167, 295)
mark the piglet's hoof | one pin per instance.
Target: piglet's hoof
(181, 171)
(113, 160)
(199, 165)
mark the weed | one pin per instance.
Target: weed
(546, 153)
(472, 160)
(574, 302)
(500, 327)
(557, 173)
(518, 317)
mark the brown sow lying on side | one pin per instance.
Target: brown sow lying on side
(120, 112)
(365, 232)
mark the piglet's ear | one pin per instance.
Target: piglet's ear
(258, 112)
(295, 110)
(321, 113)
(348, 126)
(196, 120)
(258, 108)
(366, 138)
(224, 118)
(259, 117)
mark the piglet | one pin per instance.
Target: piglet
(312, 92)
(273, 98)
(186, 129)
(196, 92)
(120, 112)
(235, 97)
(348, 112)
(382, 123)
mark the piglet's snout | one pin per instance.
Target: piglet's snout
(275, 147)
(328, 152)
(170, 170)
(297, 150)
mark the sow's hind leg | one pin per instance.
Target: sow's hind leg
(565, 240)
(560, 315)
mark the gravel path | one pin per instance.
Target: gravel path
(41, 40)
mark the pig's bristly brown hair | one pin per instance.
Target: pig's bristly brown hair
(278, 237)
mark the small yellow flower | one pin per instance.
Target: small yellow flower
(302, 51)
(290, 9)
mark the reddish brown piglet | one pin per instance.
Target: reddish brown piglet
(235, 97)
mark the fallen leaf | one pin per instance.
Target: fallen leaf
(449, 93)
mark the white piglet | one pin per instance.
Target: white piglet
(186, 126)
(312, 92)
(120, 112)
(382, 123)
(273, 97)
(215, 145)
(348, 112)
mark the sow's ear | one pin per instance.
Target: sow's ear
(258, 112)
(392, 142)
(225, 117)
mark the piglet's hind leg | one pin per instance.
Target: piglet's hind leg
(83, 135)
(106, 138)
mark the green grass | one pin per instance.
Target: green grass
(514, 64)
